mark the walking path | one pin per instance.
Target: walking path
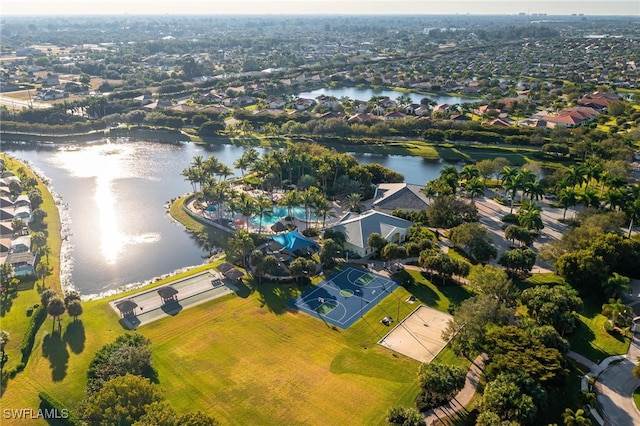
(456, 407)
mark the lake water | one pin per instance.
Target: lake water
(364, 94)
(115, 196)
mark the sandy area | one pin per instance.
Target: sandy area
(418, 336)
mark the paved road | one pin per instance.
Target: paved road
(14, 103)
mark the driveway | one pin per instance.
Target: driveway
(615, 393)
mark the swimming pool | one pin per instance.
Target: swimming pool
(279, 213)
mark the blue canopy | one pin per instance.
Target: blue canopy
(294, 240)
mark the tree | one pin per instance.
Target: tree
(240, 245)
(475, 188)
(4, 339)
(475, 240)
(494, 281)
(575, 418)
(401, 416)
(353, 202)
(74, 308)
(264, 206)
(615, 285)
(515, 232)
(329, 253)
(393, 251)
(38, 216)
(376, 242)
(447, 211)
(504, 398)
(519, 260)
(582, 269)
(619, 314)
(122, 400)
(301, 267)
(486, 168)
(56, 308)
(467, 330)
(529, 216)
(557, 306)
(438, 383)
(566, 198)
(46, 295)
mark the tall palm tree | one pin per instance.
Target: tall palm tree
(566, 199)
(246, 206)
(475, 188)
(529, 216)
(574, 176)
(245, 161)
(322, 209)
(264, 206)
(590, 198)
(513, 185)
(468, 172)
(308, 198)
(534, 190)
(615, 198)
(632, 208)
(290, 200)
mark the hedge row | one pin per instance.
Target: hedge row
(38, 317)
(54, 409)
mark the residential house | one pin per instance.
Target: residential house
(302, 104)
(275, 102)
(23, 263)
(358, 228)
(395, 115)
(21, 244)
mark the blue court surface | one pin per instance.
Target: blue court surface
(345, 296)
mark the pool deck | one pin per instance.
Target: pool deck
(192, 291)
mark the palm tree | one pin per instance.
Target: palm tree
(290, 200)
(263, 206)
(574, 176)
(615, 198)
(246, 206)
(353, 201)
(513, 185)
(534, 190)
(475, 188)
(245, 161)
(529, 216)
(615, 285)
(308, 199)
(56, 308)
(322, 209)
(468, 172)
(566, 199)
(590, 198)
(618, 312)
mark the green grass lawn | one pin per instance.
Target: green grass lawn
(234, 356)
(636, 397)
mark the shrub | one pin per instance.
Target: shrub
(39, 315)
(61, 412)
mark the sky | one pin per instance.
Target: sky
(325, 7)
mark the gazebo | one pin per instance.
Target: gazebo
(127, 308)
(168, 294)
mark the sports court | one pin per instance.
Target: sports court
(419, 335)
(345, 296)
